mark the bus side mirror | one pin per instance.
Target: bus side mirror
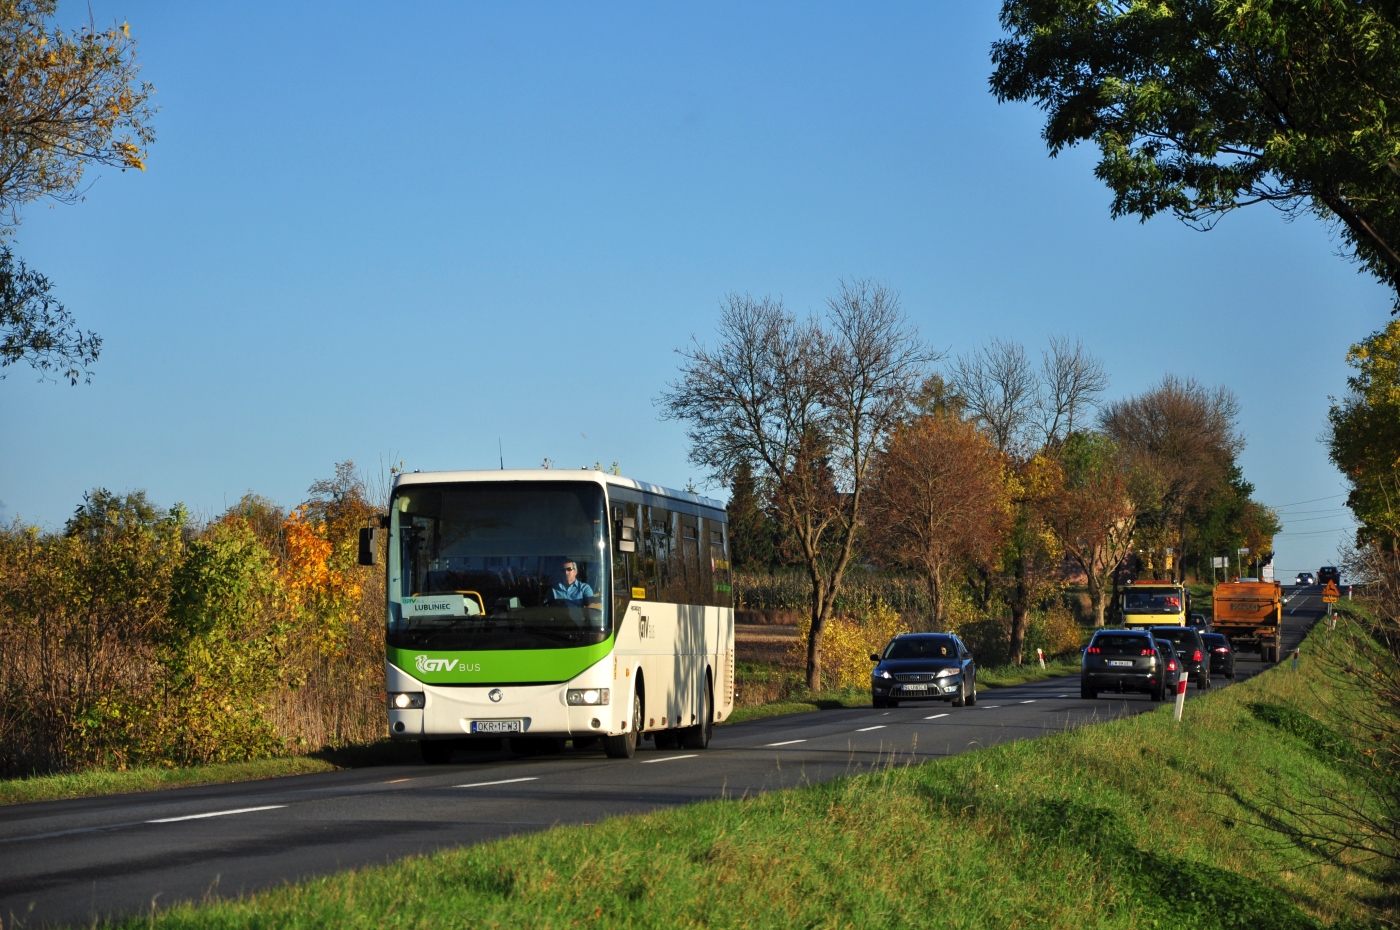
(368, 547)
(627, 538)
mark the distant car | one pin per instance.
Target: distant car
(1190, 650)
(1125, 661)
(1307, 578)
(924, 666)
(1198, 621)
(1222, 654)
(1328, 573)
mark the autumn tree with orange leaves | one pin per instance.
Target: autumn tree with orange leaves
(938, 501)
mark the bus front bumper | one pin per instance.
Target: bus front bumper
(506, 710)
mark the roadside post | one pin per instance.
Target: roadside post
(1040, 654)
(1180, 695)
(1295, 660)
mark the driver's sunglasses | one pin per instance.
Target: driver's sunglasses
(570, 568)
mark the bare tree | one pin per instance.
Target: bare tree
(998, 389)
(806, 407)
(1070, 384)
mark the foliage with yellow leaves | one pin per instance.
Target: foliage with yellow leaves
(69, 99)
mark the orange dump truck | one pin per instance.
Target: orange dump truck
(1250, 615)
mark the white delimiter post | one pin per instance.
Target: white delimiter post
(1180, 695)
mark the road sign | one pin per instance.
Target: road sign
(1222, 561)
(1330, 593)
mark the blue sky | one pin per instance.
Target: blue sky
(385, 236)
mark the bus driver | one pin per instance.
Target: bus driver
(572, 592)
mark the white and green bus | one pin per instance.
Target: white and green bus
(545, 606)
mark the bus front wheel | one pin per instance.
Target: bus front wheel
(624, 746)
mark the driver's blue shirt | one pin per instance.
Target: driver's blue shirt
(577, 594)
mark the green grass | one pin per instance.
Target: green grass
(104, 781)
(1135, 823)
(1005, 675)
(150, 778)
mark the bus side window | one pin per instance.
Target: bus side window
(720, 581)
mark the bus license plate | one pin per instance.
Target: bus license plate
(496, 726)
(1127, 662)
(916, 687)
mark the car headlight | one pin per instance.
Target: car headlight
(580, 696)
(880, 673)
(406, 700)
(948, 672)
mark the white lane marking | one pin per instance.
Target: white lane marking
(786, 742)
(868, 729)
(1028, 702)
(669, 759)
(1304, 601)
(990, 706)
(935, 716)
(503, 781)
(1061, 695)
(241, 810)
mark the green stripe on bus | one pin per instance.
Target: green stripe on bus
(497, 666)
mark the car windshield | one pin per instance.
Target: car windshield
(922, 647)
(1151, 602)
(497, 565)
(1182, 638)
(1122, 645)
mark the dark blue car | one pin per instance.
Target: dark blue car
(924, 667)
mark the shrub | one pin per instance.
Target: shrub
(848, 643)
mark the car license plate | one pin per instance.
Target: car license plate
(916, 687)
(1127, 662)
(496, 726)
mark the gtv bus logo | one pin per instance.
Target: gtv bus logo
(425, 664)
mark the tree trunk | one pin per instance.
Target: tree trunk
(935, 598)
(1096, 599)
(1020, 611)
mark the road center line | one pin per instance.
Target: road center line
(786, 742)
(241, 810)
(1304, 601)
(1032, 701)
(669, 759)
(868, 729)
(503, 781)
(935, 716)
(990, 706)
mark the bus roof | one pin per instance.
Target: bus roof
(555, 474)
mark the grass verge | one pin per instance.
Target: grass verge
(1134, 823)
(150, 778)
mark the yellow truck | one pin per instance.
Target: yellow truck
(1155, 603)
(1250, 615)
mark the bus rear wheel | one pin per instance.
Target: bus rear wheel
(698, 736)
(624, 746)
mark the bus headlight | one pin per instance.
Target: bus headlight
(587, 696)
(406, 700)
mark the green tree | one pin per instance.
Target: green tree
(1365, 437)
(752, 533)
(36, 328)
(1200, 107)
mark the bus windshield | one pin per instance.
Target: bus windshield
(1151, 602)
(508, 565)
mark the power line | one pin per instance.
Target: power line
(1314, 500)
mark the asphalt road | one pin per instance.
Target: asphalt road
(73, 861)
